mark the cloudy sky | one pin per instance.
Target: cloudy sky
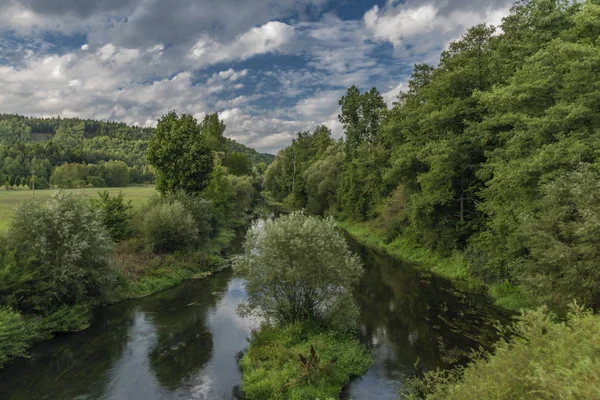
(270, 68)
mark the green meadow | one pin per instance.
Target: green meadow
(10, 198)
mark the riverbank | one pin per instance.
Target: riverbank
(454, 268)
(140, 274)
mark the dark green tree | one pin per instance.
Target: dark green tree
(179, 155)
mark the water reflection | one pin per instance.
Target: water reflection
(413, 322)
(181, 343)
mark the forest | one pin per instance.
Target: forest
(487, 171)
(493, 154)
(73, 153)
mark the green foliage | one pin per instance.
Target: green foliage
(69, 176)
(15, 335)
(179, 154)
(116, 173)
(212, 129)
(322, 180)
(296, 362)
(361, 116)
(481, 155)
(299, 268)
(64, 253)
(284, 177)
(253, 155)
(544, 359)
(562, 241)
(115, 213)
(169, 227)
(199, 208)
(238, 164)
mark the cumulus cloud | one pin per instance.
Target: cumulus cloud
(417, 27)
(134, 60)
(267, 38)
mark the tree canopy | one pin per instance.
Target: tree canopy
(179, 154)
(492, 153)
(299, 268)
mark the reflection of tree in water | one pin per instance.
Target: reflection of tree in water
(184, 342)
(421, 316)
(72, 365)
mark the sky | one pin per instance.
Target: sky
(269, 68)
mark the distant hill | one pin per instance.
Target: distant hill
(18, 128)
(252, 154)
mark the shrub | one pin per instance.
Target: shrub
(15, 335)
(299, 268)
(169, 227)
(96, 181)
(545, 359)
(199, 208)
(116, 173)
(115, 214)
(67, 250)
(299, 362)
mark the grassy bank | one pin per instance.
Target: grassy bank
(10, 198)
(135, 270)
(145, 273)
(296, 362)
(454, 267)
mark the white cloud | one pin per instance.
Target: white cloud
(422, 29)
(267, 38)
(390, 96)
(400, 25)
(143, 58)
(321, 106)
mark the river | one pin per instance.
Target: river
(184, 343)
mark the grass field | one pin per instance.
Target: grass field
(10, 198)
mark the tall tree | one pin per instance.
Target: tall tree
(212, 130)
(179, 155)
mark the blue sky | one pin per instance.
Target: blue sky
(270, 68)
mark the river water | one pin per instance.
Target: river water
(184, 343)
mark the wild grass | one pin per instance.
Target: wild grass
(301, 362)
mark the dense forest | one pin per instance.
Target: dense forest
(72, 152)
(493, 153)
(487, 170)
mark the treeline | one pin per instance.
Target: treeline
(82, 153)
(61, 258)
(493, 153)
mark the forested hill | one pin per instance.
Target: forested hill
(19, 128)
(494, 153)
(85, 152)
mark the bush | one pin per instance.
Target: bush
(296, 362)
(169, 227)
(115, 214)
(15, 335)
(299, 268)
(545, 359)
(199, 208)
(96, 181)
(64, 251)
(116, 173)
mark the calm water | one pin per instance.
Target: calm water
(184, 343)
